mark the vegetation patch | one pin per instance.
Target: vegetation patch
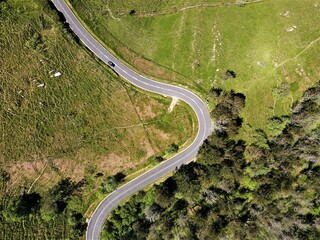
(264, 190)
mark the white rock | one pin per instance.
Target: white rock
(285, 14)
(262, 64)
(290, 29)
(40, 85)
(57, 74)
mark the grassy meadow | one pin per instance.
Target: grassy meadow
(60, 102)
(270, 45)
(64, 114)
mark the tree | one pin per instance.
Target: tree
(62, 192)
(28, 203)
(77, 221)
(188, 183)
(281, 91)
(152, 212)
(216, 92)
(229, 74)
(261, 139)
(173, 148)
(277, 124)
(108, 185)
(265, 190)
(164, 193)
(132, 12)
(4, 176)
(119, 177)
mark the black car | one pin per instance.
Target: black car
(111, 64)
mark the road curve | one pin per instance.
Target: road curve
(97, 219)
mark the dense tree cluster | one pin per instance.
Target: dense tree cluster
(266, 190)
(60, 204)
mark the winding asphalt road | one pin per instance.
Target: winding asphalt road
(97, 219)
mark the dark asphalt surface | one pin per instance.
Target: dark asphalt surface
(96, 222)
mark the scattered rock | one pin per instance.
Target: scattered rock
(290, 29)
(57, 74)
(40, 85)
(262, 64)
(285, 14)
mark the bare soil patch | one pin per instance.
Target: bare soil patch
(148, 67)
(113, 163)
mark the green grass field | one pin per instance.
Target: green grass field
(63, 114)
(86, 111)
(271, 46)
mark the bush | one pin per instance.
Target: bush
(173, 148)
(28, 204)
(108, 185)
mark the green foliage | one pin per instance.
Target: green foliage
(4, 176)
(108, 185)
(35, 42)
(119, 177)
(237, 191)
(281, 91)
(277, 124)
(77, 222)
(247, 183)
(133, 224)
(152, 212)
(173, 148)
(62, 192)
(33, 215)
(187, 180)
(229, 74)
(28, 204)
(141, 153)
(226, 112)
(261, 139)
(294, 86)
(164, 194)
(155, 159)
